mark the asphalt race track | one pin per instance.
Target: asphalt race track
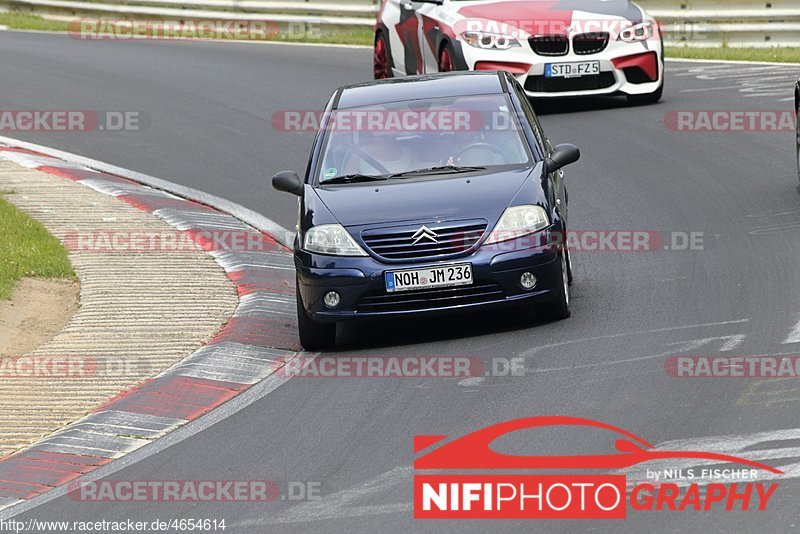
(209, 107)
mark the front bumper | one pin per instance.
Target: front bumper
(625, 68)
(360, 283)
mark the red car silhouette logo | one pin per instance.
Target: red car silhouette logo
(473, 451)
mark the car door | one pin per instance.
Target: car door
(431, 32)
(406, 23)
(557, 177)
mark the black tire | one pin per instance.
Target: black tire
(446, 62)
(649, 98)
(558, 307)
(381, 58)
(313, 335)
(570, 277)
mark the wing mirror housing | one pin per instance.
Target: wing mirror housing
(563, 155)
(288, 182)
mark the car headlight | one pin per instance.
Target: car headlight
(638, 32)
(488, 40)
(519, 221)
(331, 239)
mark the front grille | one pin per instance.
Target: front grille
(398, 243)
(541, 84)
(431, 298)
(590, 43)
(550, 45)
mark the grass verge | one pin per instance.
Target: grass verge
(27, 249)
(23, 21)
(778, 55)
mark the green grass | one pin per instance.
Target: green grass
(778, 55)
(23, 21)
(27, 249)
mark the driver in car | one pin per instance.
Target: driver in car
(379, 153)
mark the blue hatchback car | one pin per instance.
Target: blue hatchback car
(429, 195)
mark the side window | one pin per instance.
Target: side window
(544, 146)
(540, 132)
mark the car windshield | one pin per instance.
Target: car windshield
(430, 137)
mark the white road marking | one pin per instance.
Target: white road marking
(344, 504)
(534, 350)
(471, 381)
(731, 342)
(768, 80)
(743, 445)
(794, 335)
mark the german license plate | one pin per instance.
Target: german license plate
(429, 277)
(571, 70)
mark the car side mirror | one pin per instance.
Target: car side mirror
(562, 156)
(288, 182)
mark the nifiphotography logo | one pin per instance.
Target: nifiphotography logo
(460, 494)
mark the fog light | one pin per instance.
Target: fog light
(332, 299)
(527, 281)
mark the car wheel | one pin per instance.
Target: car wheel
(558, 308)
(649, 98)
(380, 58)
(446, 58)
(570, 278)
(313, 335)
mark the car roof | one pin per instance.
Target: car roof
(426, 86)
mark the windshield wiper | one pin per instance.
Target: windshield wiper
(441, 169)
(353, 178)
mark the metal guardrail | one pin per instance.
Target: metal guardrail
(734, 23)
(695, 23)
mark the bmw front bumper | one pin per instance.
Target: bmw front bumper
(625, 68)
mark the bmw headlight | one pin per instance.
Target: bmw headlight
(488, 40)
(519, 221)
(638, 32)
(331, 239)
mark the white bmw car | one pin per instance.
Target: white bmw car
(556, 48)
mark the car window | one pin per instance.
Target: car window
(465, 131)
(527, 110)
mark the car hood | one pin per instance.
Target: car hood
(565, 12)
(442, 198)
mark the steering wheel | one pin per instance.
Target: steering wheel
(354, 150)
(481, 146)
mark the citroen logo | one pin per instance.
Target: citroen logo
(425, 232)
